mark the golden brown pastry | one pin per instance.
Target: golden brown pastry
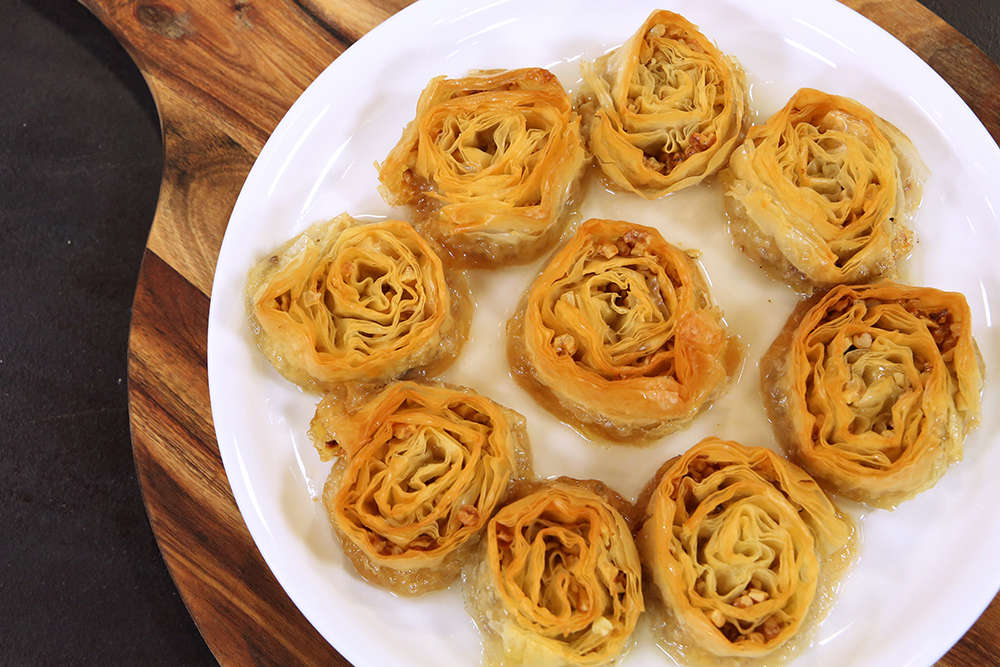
(873, 388)
(489, 164)
(420, 470)
(352, 302)
(734, 539)
(618, 335)
(664, 111)
(822, 193)
(560, 582)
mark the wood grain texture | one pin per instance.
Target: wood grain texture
(222, 74)
(961, 63)
(241, 610)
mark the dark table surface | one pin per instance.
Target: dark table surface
(81, 579)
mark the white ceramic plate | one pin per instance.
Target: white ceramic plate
(924, 572)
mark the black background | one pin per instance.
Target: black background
(81, 580)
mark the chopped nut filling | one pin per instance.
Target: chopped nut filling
(607, 250)
(602, 626)
(582, 601)
(403, 431)
(700, 141)
(467, 515)
(565, 344)
(700, 468)
(505, 536)
(772, 627)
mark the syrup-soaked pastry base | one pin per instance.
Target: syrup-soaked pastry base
(734, 539)
(666, 110)
(420, 470)
(349, 302)
(873, 388)
(823, 193)
(618, 335)
(559, 580)
(490, 165)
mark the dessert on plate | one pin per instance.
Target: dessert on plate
(489, 165)
(560, 581)
(735, 540)
(873, 388)
(823, 193)
(353, 302)
(665, 110)
(619, 336)
(420, 469)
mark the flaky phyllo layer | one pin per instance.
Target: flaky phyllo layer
(873, 388)
(619, 335)
(734, 539)
(420, 471)
(665, 110)
(561, 583)
(489, 164)
(823, 192)
(352, 302)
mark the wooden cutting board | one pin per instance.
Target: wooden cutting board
(222, 73)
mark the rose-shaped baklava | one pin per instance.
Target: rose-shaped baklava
(822, 193)
(352, 302)
(489, 164)
(873, 388)
(664, 111)
(560, 582)
(420, 470)
(734, 539)
(618, 334)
